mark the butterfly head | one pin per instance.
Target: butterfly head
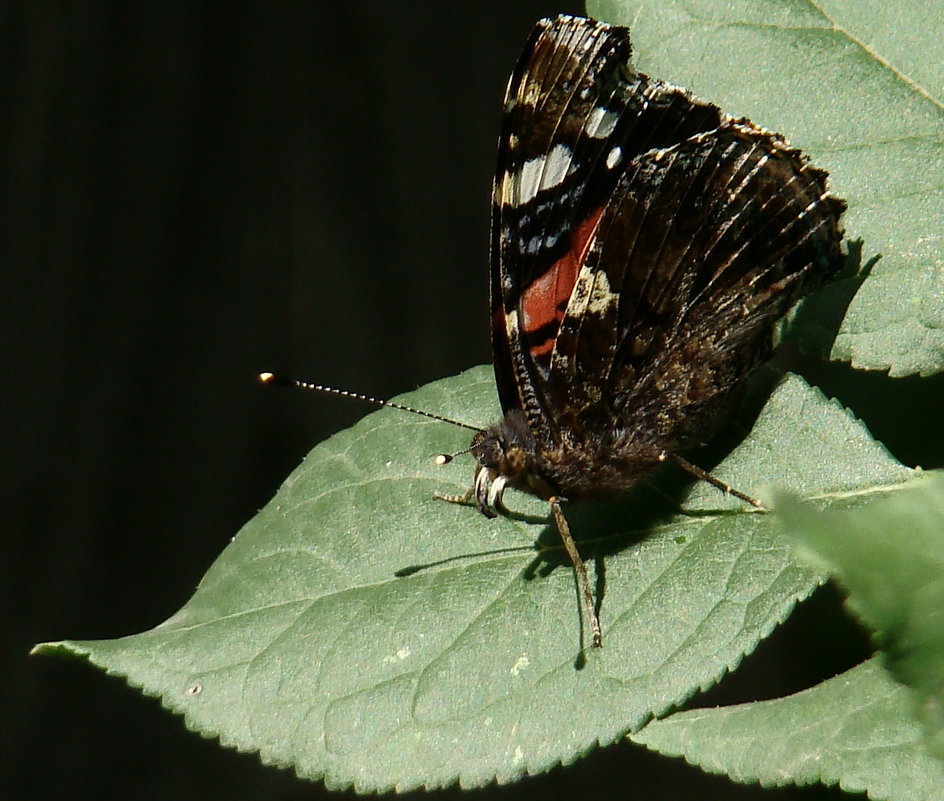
(507, 455)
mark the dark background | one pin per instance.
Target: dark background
(193, 193)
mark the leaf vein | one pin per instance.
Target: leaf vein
(880, 59)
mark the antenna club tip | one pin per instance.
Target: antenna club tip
(442, 458)
(276, 380)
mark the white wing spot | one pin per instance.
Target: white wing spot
(600, 123)
(614, 157)
(541, 172)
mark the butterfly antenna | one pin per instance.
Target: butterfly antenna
(285, 381)
(445, 458)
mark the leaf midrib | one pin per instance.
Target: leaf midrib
(884, 62)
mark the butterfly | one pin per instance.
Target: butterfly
(643, 246)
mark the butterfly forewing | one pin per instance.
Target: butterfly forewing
(575, 116)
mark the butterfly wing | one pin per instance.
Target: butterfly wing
(575, 116)
(701, 247)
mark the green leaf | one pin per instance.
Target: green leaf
(306, 642)
(855, 730)
(890, 558)
(859, 86)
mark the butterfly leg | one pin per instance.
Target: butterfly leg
(464, 497)
(593, 621)
(486, 491)
(704, 475)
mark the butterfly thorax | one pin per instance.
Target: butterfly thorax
(509, 456)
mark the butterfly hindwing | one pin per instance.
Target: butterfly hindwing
(700, 248)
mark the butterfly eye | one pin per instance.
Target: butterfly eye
(488, 448)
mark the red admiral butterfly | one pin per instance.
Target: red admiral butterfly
(643, 246)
